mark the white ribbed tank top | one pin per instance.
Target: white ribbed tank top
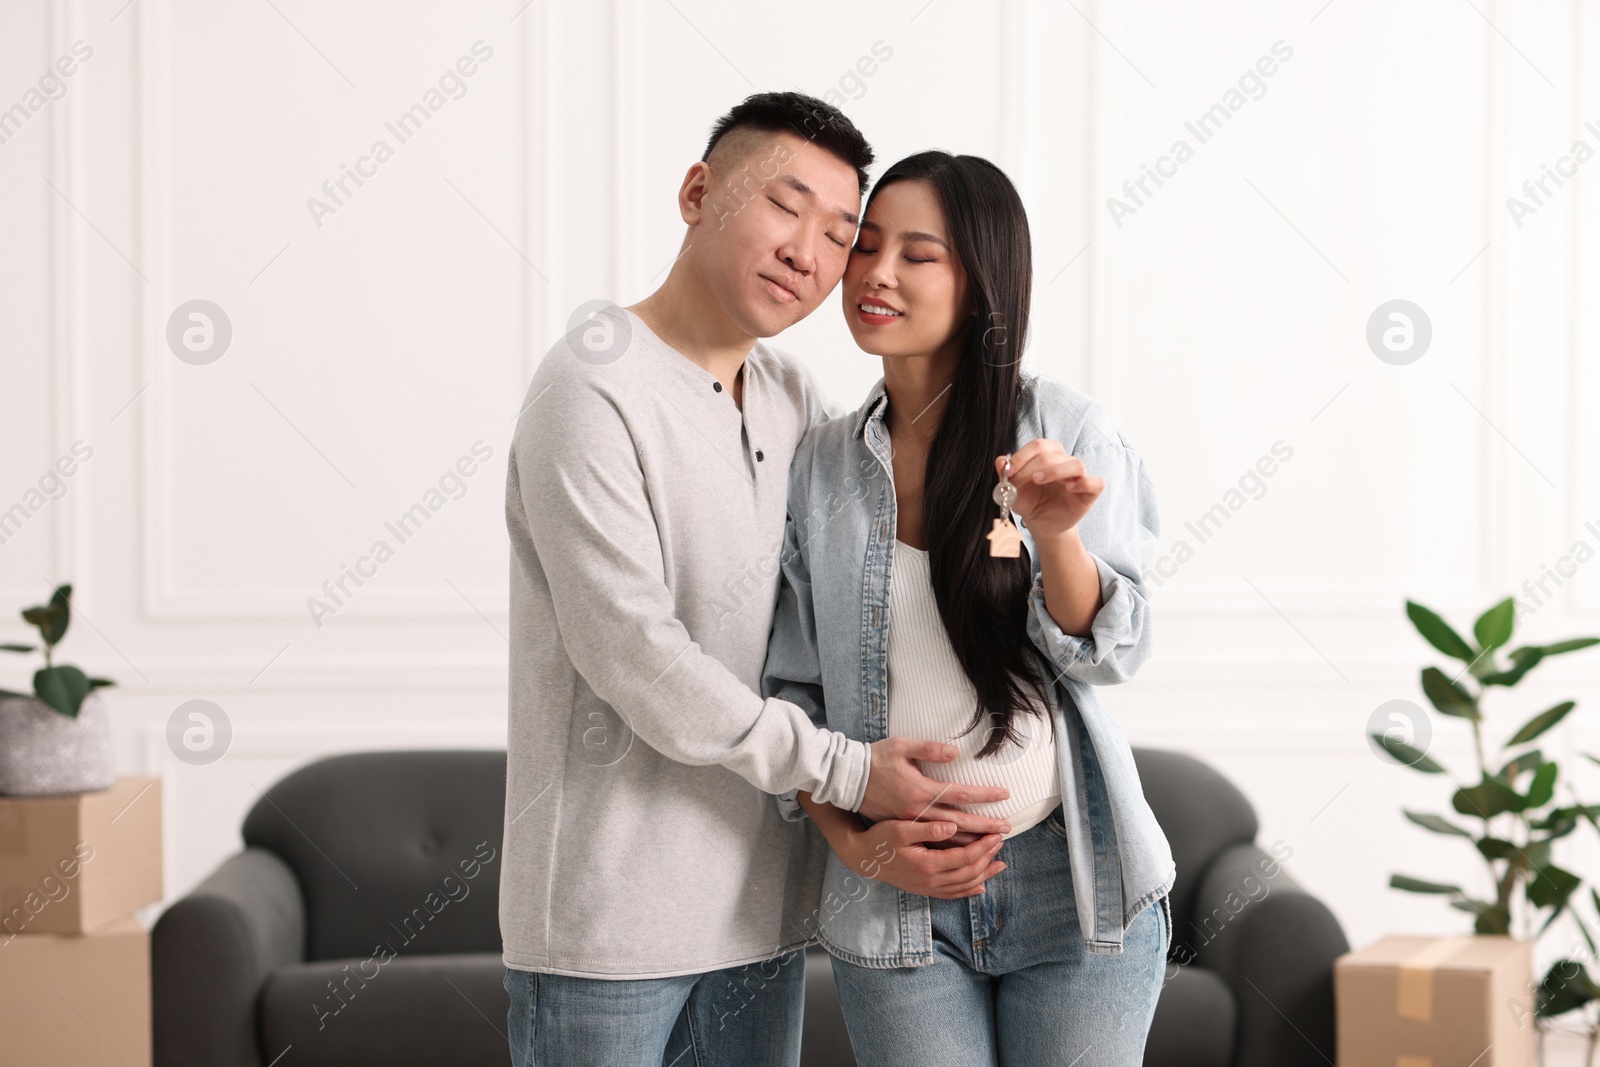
(930, 697)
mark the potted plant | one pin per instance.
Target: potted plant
(1512, 817)
(59, 739)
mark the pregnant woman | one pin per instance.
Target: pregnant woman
(965, 560)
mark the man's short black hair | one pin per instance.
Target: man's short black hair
(804, 116)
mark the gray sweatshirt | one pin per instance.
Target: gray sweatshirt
(646, 516)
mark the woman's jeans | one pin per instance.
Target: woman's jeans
(735, 1017)
(1010, 981)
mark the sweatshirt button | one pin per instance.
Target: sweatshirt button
(759, 456)
(717, 386)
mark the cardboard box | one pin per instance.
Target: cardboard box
(71, 864)
(79, 999)
(1436, 1002)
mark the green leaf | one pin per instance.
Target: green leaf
(49, 619)
(1566, 987)
(1521, 763)
(61, 603)
(1551, 886)
(1488, 798)
(1542, 788)
(1534, 854)
(1559, 822)
(1411, 757)
(1492, 918)
(1588, 813)
(60, 614)
(1496, 848)
(1493, 627)
(1447, 696)
(97, 683)
(1541, 722)
(18, 648)
(1569, 646)
(1417, 885)
(1437, 823)
(1523, 660)
(1438, 633)
(63, 688)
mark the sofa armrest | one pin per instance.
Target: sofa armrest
(210, 955)
(1274, 944)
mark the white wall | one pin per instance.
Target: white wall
(374, 345)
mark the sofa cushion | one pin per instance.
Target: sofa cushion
(1200, 811)
(1194, 1022)
(397, 1011)
(395, 847)
(824, 1040)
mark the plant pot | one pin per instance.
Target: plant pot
(44, 752)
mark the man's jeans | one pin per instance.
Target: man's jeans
(734, 1017)
(1010, 981)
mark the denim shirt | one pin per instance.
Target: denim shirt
(828, 653)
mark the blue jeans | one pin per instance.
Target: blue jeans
(734, 1017)
(1010, 982)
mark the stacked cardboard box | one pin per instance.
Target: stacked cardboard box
(74, 962)
(1436, 1002)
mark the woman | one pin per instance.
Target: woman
(1046, 945)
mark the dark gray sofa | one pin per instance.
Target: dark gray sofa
(359, 926)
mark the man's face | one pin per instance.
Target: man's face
(773, 236)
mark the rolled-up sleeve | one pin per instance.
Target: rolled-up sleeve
(1121, 533)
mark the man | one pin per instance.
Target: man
(652, 896)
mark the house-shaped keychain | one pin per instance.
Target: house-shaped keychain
(1005, 540)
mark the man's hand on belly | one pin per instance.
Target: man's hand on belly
(897, 789)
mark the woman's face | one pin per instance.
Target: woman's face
(902, 269)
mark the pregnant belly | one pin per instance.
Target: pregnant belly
(1028, 770)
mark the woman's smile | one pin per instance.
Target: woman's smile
(878, 313)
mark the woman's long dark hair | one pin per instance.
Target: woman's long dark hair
(983, 599)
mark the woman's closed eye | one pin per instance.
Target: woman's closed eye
(873, 251)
